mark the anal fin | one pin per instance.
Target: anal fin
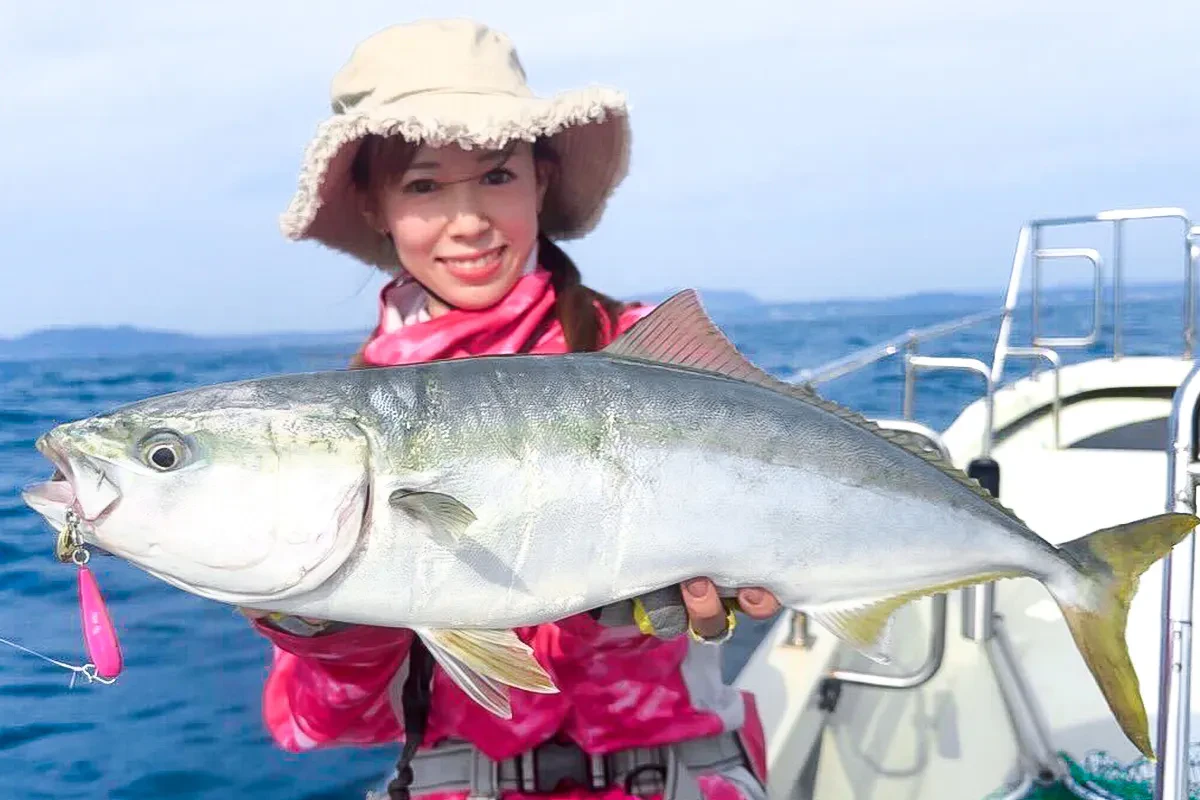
(865, 626)
(484, 662)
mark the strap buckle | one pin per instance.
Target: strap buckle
(546, 766)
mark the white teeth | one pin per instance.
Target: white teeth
(473, 263)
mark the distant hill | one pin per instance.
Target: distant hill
(730, 306)
(725, 306)
(127, 340)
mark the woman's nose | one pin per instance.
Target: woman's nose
(467, 216)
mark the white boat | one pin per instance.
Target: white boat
(988, 690)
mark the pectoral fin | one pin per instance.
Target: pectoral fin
(483, 662)
(446, 518)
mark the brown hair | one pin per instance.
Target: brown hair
(577, 307)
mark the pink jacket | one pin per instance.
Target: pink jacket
(618, 687)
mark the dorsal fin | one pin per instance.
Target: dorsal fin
(680, 333)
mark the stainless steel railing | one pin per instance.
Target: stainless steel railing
(1093, 336)
(867, 356)
(1028, 251)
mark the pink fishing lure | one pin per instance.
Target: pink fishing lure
(99, 635)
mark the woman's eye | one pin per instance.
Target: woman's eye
(421, 186)
(498, 176)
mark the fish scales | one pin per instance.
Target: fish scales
(651, 461)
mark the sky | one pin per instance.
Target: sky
(793, 149)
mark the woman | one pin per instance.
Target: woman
(440, 167)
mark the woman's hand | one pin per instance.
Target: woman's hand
(297, 626)
(707, 613)
(669, 612)
(705, 609)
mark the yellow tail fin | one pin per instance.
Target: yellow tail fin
(1114, 558)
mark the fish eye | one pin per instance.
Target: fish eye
(164, 452)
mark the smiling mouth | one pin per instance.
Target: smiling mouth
(476, 268)
(480, 256)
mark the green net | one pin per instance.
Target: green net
(1102, 777)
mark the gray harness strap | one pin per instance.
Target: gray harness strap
(484, 779)
(681, 783)
(672, 770)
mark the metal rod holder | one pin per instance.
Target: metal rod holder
(908, 405)
(800, 634)
(978, 611)
(979, 602)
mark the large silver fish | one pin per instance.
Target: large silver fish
(465, 498)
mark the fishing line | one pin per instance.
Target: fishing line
(87, 670)
(99, 635)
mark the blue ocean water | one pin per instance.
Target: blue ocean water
(184, 719)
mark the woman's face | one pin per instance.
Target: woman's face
(463, 221)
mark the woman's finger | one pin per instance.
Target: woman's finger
(758, 602)
(705, 609)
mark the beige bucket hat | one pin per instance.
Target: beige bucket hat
(441, 82)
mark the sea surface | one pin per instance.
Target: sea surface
(183, 721)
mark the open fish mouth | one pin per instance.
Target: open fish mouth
(51, 499)
(78, 484)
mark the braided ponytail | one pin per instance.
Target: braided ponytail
(577, 307)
